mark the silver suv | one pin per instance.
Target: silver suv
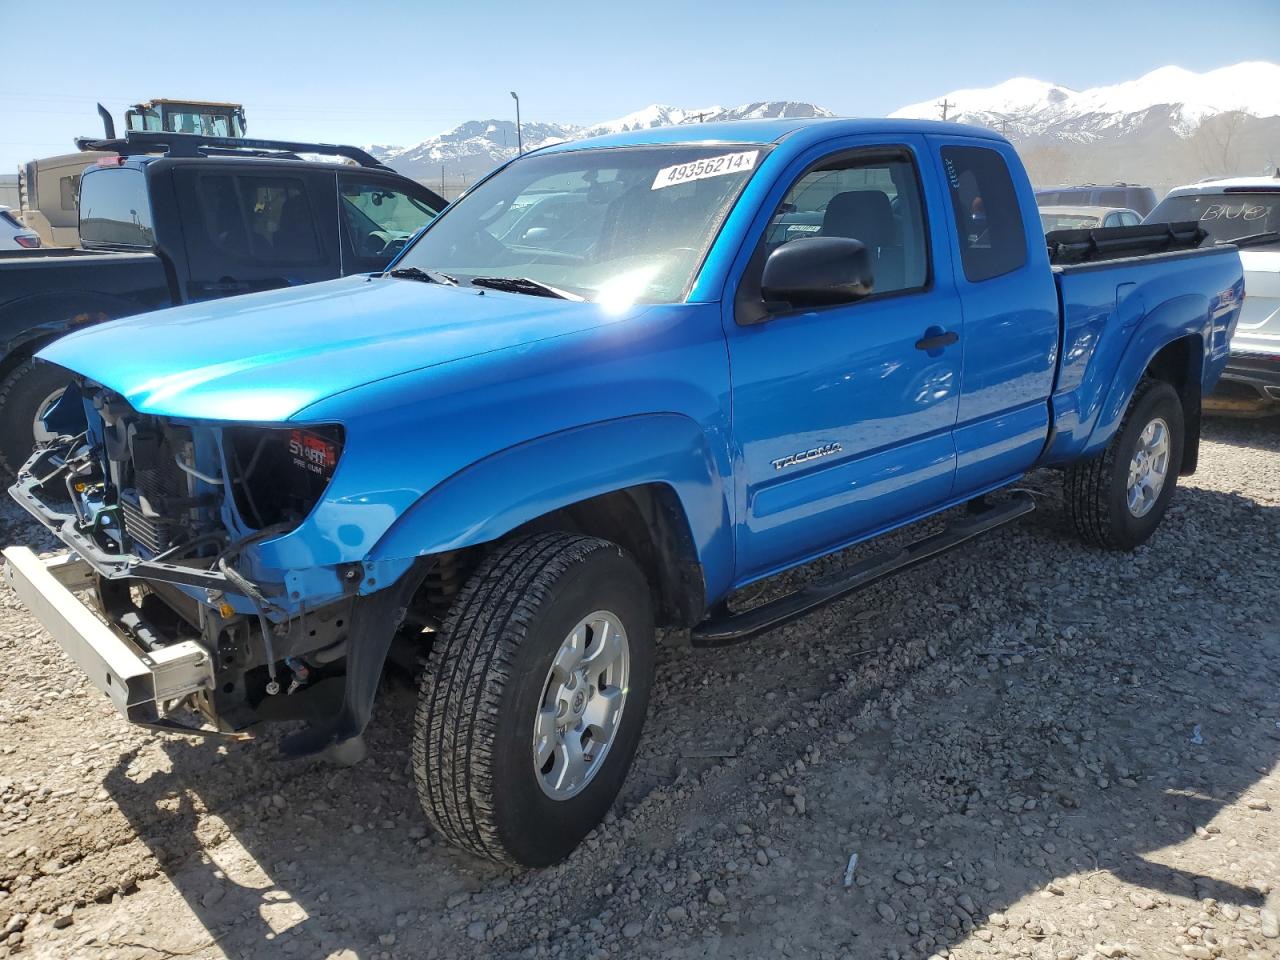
(1244, 209)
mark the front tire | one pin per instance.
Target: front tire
(27, 392)
(1118, 499)
(534, 698)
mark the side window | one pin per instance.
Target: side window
(115, 208)
(1129, 220)
(874, 199)
(379, 219)
(1113, 198)
(266, 219)
(68, 192)
(993, 241)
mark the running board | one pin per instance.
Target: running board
(725, 628)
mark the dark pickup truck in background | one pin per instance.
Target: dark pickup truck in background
(178, 218)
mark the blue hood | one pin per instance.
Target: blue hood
(264, 357)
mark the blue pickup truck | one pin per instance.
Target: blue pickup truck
(617, 382)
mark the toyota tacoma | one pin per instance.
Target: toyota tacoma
(614, 384)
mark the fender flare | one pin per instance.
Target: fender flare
(505, 490)
(1176, 319)
(30, 323)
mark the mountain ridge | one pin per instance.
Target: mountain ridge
(1170, 110)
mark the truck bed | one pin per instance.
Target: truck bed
(1116, 315)
(139, 277)
(1111, 243)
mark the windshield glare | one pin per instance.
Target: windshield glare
(617, 225)
(1226, 216)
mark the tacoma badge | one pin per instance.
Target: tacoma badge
(804, 456)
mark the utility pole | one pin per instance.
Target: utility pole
(442, 179)
(944, 106)
(700, 115)
(519, 135)
(1004, 126)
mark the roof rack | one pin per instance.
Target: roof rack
(137, 142)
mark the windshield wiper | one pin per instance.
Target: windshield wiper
(426, 276)
(534, 288)
(1254, 239)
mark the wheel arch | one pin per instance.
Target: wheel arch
(29, 324)
(1180, 363)
(649, 483)
(1169, 346)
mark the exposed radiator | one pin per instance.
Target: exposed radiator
(152, 510)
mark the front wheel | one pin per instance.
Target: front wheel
(26, 394)
(534, 697)
(1118, 499)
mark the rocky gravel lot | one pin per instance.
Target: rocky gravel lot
(1033, 749)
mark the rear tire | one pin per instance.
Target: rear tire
(1118, 499)
(26, 392)
(503, 664)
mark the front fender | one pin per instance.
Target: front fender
(509, 488)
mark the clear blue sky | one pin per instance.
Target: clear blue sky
(384, 71)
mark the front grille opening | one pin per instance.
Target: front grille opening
(279, 475)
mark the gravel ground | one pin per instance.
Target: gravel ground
(1033, 749)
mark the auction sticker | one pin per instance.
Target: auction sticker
(702, 169)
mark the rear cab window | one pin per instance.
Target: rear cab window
(115, 208)
(1226, 215)
(988, 217)
(267, 219)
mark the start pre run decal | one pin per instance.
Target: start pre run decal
(312, 452)
(709, 167)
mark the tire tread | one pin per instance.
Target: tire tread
(465, 679)
(1086, 485)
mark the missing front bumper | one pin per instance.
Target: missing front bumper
(138, 682)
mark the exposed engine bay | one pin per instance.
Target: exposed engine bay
(167, 514)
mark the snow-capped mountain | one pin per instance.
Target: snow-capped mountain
(1171, 97)
(1167, 127)
(654, 115)
(472, 148)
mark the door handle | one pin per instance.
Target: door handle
(936, 339)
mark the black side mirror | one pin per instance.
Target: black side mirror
(817, 272)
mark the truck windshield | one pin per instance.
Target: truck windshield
(621, 225)
(1226, 216)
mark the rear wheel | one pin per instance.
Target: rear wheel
(1118, 499)
(27, 392)
(534, 697)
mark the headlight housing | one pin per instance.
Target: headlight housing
(279, 474)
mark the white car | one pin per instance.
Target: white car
(1244, 209)
(1087, 218)
(13, 235)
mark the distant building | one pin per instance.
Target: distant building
(9, 190)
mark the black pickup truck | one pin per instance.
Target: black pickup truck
(171, 218)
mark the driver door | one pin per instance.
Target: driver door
(843, 415)
(376, 219)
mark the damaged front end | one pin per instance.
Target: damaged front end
(164, 519)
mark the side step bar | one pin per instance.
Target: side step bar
(725, 628)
